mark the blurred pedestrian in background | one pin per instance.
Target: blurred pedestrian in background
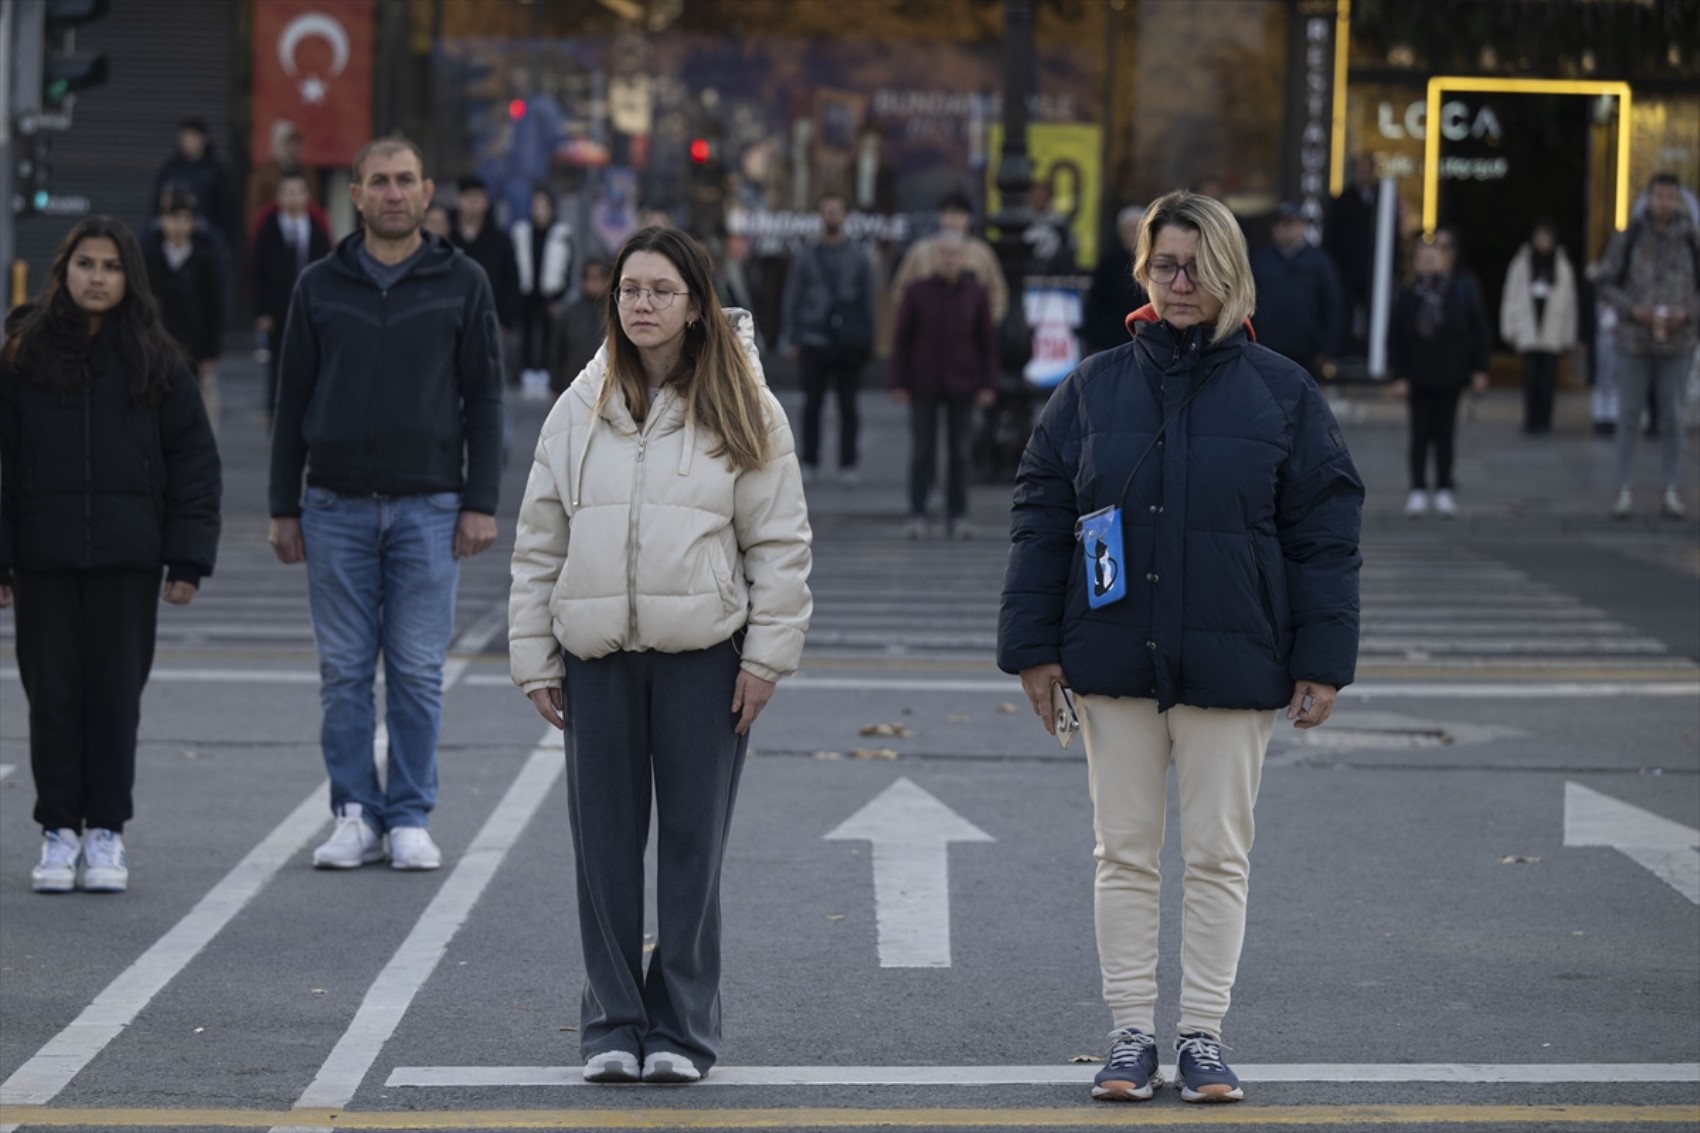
(195, 165)
(1222, 587)
(581, 328)
(543, 252)
(390, 399)
(1650, 274)
(1298, 295)
(956, 215)
(109, 474)
(1537, 316)
(828, 323)
(738, 285)
(476, 233)
(668, 604)
(287, 241)
(1437, 344)
(286, 159)
(186, 275)
(944, 362)
(1114, 291)
(1349, 239)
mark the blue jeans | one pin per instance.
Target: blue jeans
(381, 575)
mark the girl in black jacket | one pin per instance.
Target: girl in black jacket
(1437, 344)
(108, 473)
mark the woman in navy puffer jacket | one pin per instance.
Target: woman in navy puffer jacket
(1239, 528)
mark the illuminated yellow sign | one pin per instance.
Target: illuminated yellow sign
(1441, 85)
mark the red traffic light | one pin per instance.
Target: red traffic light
(699, 151)
(516, 109)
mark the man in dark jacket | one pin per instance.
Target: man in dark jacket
(196, 166)
(943, 356)
(580, 328)
(1298, 295)
(390, 383)
(1114, 292)
(474, 232)
(286, 242)
(829, 329)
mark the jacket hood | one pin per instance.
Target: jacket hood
(587, 387)
(439, 254)
(1148, 315)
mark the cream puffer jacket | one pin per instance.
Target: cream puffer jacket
(634, 538)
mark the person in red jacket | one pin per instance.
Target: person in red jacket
(943, 358)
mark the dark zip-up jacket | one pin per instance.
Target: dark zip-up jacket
(92, 479)
(390, 392)
(1240, 530)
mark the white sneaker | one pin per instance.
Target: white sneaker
(1625, 505)
(57, 870)
(1671, 506)
(915, 528)
(106, 868)
(1416, 503)
(664, 1067)
(612, 1066)
(411, 848)
(1445, 504)
(352, 844)
(962, 529)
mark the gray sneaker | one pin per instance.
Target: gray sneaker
(611, 1066)
(1130, 1074)
(667, 1068)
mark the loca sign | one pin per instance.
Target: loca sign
(1457, 122)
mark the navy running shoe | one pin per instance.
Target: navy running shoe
(1200, 1072)
(1130, 1075)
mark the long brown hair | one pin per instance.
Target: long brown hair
(714, 377)
(51, 342)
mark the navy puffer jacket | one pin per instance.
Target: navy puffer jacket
(1240, 530)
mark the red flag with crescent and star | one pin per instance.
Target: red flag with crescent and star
(313, 68)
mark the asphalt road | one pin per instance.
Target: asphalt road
(1416, 913)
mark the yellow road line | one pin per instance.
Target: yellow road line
(1157, 1116)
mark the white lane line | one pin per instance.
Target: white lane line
(390, 995)
(468, 1076)
(1419, 691)
(52, 1068)
(225, 676)
(6, 770)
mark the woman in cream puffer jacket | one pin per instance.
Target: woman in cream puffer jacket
(715, 551)
(660, 590)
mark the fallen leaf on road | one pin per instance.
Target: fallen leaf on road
(829, 755)
(954, 719)
(198, 1030)
(900, 730)
(835, 916)
(318, 991)
(1086, 1058)
(873, 753)
(1008, 709)
(1517, 859)
(569, 1029)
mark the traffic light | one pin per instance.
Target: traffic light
(30, 173)
(64, 70)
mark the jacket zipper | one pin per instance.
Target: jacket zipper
(88, 468)
(372, 394)
(632, 528)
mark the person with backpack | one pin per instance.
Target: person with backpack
(1650, 275)
(1437, 345)
(109, 479)
(828, 322)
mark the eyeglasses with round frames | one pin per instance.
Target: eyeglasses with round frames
(659, 297)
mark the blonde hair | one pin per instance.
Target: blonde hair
(1224, 269)
(722, 395)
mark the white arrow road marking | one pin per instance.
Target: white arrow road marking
(1667, 848)
(911, 832)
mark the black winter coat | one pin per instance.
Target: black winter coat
(275, 266)
(1240, 531)
(191, 297)
(390, 392)
(1454, 350)
(95, 480)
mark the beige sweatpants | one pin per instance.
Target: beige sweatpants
(1218, 755)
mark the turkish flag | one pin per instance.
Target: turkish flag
(313, 68)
